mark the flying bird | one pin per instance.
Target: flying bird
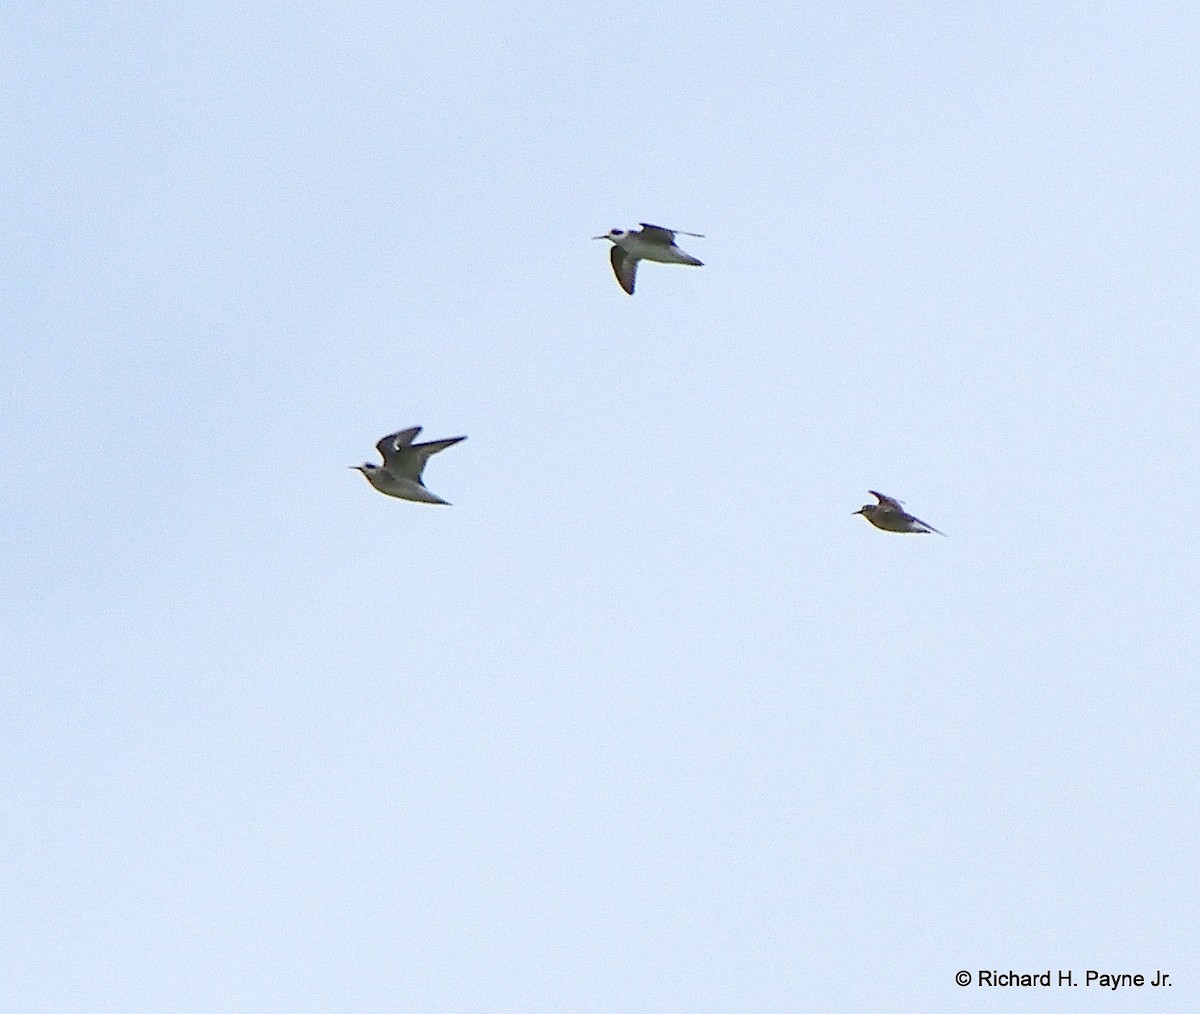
(649, 243)
(403, 463)
(890, 515)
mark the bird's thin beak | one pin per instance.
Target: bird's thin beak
(859, 511)
(599, 237)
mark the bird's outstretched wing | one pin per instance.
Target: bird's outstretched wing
(408, 462)
(394, 442)
(657, 232)
(927, 526)
(424, 451)
(890, 502)
(624, 267)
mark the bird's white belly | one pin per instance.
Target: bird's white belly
(651, 252)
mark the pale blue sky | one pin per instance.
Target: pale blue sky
(647, 721)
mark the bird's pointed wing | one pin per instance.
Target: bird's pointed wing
(660, 234)
(890, 502)
(423, 451)
(657, 234)
(394, 442)
(624, 267)
(927, 526)
(409, 462)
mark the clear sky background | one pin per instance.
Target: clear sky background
(646, 721)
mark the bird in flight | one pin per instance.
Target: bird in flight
(890, 515)
(403, 463)
(649, 243)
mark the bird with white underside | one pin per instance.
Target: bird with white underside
(403, 463)
(889, 514)
(649, 243)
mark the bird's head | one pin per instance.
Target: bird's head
(612, 234)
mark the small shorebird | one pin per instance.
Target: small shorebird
(890, 515)
(649, 243)
(403, 462)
